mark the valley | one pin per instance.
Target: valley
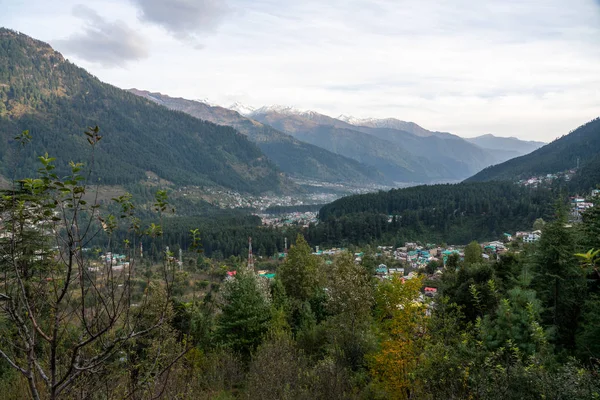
(156, 247)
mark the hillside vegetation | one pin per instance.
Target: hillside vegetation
(581, 145)
(456, 214)
(55, 100)
(292, 156)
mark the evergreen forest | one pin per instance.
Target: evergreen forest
(55, 100)
(82, 321)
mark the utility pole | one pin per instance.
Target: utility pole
(250, 256)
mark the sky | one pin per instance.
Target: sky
(524, 68)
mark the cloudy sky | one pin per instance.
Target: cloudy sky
(525, 68)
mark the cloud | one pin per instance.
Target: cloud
(111, 44)
(184, 19)
(509, 67)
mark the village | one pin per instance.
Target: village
(302, 219)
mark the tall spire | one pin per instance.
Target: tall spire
(250, 256)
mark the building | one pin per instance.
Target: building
(382, 270)
(531, 237)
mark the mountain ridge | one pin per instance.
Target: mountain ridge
(581, 146)
(401, 155)
(513, 144)
(56, 101)
(291, 155)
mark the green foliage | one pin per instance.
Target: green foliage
(559, 281)
(588, 345)
(54, 99)
(292, 156)
(439, 213)
(516, 320)
(583, 143)
(300, 273)
(245, 313)
(472, 253)
(470, 288)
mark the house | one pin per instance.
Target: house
(508, 237)
(399, 271)
(430, 291)
(382, 270)
(531, 237)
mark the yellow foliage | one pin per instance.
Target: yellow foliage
(402, 317)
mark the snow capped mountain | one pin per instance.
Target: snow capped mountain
(241, 108)
(356, 121)
(207, 102)
(390, 123)
(287, 110)
(375, 122)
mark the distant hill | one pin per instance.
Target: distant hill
(417, 155)
(451, 213)
(506, 144)
(393, 123)
(292, 156)
(581, 145)
(55, 100)
(395, 162)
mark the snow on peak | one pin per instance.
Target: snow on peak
(278, 109)
(242, 108)
(286, 110)
(206, 101)
(357, 121)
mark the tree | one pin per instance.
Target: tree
(517, 321)
(300, 272)
(402, 318)
(245, 313)
(452, 262)
(538, 225)
(472, 253)
(559, 280)
(432, 266)
(350, 298)
(65, 321)
(588, 345)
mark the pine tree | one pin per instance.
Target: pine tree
(245, 313)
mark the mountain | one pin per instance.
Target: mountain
(241, 108)
(401, 155)
(506, 144)
(496, 149)
(395, 162)
(451, 213)
(55, 100)
(292, 156)
(581, 146)
(393, 123)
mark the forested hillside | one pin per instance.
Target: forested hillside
(455, 214)
(395, 162)
(292, 156)
(55, 100)
(402, 156)
(582, 145)
(509, 144)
